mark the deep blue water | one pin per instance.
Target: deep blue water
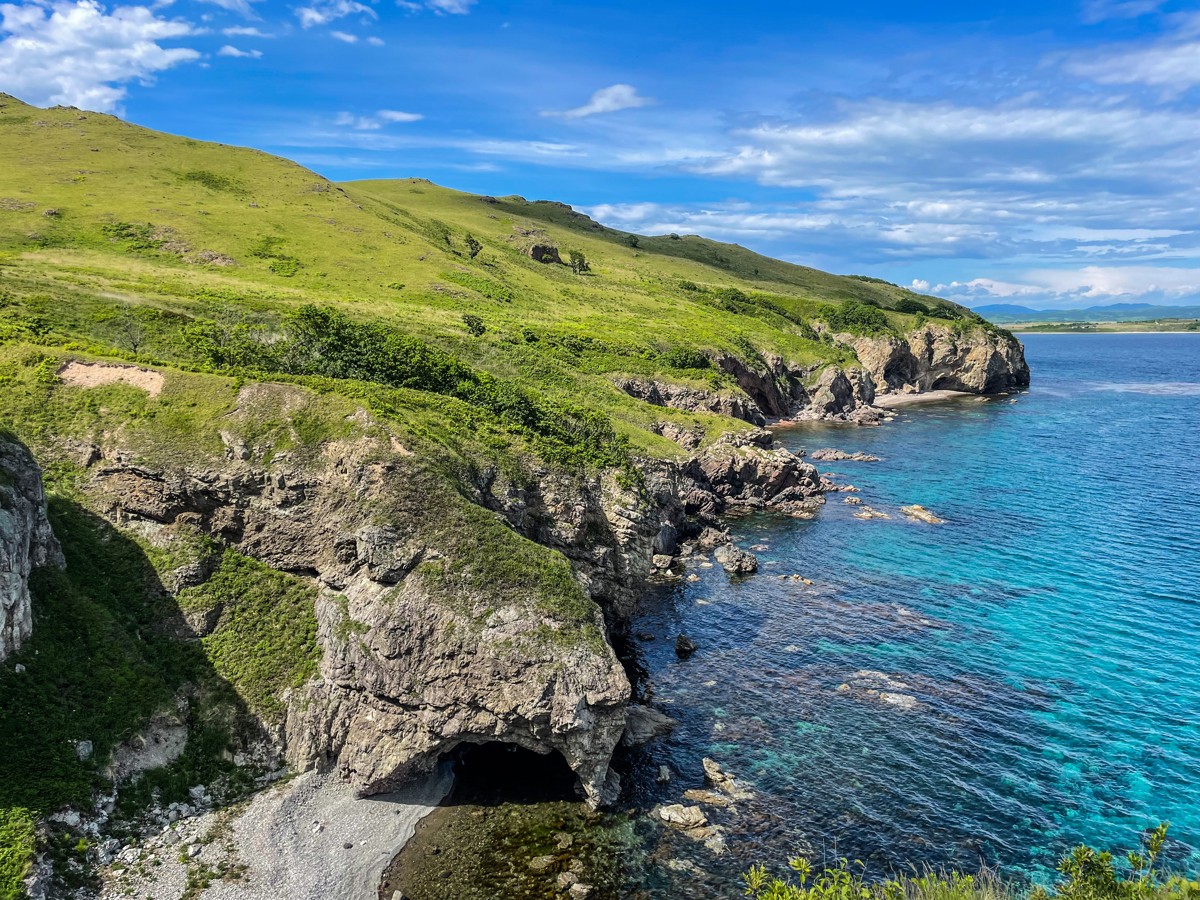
(1048, 633)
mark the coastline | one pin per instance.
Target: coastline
(893, 401)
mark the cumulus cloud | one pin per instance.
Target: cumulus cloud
(375, 41)
(344, 37)
(80, 54)
(234, 52)
(376, 121)
(606, 100)
(325, 11)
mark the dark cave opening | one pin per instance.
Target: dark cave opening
(496, 772)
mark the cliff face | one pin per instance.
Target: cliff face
(939, 357)
(26, 541)
(421, 652)
(933, 357)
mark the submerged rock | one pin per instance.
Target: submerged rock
(684, 646)
(921, 514)
(644, 724)
(829, 454)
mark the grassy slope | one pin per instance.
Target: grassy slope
(135, 211)
(103, 223)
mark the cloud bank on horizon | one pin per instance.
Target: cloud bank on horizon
(1045, 155)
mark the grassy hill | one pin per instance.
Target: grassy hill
(115, 239)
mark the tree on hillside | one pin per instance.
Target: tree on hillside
(579, 263)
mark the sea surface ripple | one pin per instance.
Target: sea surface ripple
(1035, 661)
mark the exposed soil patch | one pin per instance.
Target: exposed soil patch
(90, 375)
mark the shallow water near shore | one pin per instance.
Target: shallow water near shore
(994, 689)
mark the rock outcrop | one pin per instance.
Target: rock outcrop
(941, 357)
(26, 541)
(677, 396)
(422, 653)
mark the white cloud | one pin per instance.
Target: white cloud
(1102, 10)
(1077, 287)
(393, 115)
(441, 7)
(237, 6)
(375, 41)
(1174, 66)
(325, 11)
(229, 50)
(80, 54)
(344, 37)
(245, 31)
(606, 100)
(377, 121)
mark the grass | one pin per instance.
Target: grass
(137, 211)
(265, 639)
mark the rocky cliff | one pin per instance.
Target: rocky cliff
(26, 541)
(942, 357)
(446, 617)
(935, 356)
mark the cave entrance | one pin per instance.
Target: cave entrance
(495, 772)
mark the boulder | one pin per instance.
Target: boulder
(736, 561)
(683, 816)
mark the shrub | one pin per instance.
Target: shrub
(473, 246)
(684, 358)
(473, 324)
(1084, 874)
(578, 263)
(909, 305)
(855, 317)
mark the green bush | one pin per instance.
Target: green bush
(855, 317)
(909, 305)
(1084, 874)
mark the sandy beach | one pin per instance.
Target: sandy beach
(309, 838)
(892, 401)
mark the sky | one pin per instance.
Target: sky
(1045, 154)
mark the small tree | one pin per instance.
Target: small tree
(579, 263)
(473, 246)
(131, 329)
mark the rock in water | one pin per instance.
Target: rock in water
(921, 514)
(683, 816)
(684, 647)
(736, 561)
(644, 724)
(26, 541)
(829, 454)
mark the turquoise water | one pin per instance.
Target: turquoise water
(1048, 635)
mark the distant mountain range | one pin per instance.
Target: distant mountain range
(1006, 313)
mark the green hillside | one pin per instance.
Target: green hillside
(117, 240)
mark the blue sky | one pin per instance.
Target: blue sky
(1040, 153)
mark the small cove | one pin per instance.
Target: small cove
(994, 689)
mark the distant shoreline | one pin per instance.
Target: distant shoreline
(1088, 333)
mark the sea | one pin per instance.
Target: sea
(988, 691)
